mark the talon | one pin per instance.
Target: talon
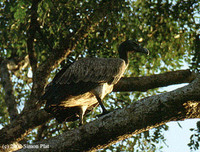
(104, 113)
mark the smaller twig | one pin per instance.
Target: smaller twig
(31, 36)
(40, 134)
(14, 65)
(44, 38)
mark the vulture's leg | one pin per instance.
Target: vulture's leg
(81, 114)
(102, 106)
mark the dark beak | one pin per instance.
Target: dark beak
(143, 50)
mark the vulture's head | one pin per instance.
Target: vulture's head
(131, 46)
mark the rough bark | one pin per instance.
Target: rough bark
(8, 66)
(22, 125)
(154, 81)
(8, 88)
(150, 112)
(33, 118)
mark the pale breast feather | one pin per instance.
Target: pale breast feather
(99, 70)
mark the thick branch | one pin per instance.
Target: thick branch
(150, 112)
(17, 130)
(154, 81)
(8, 87)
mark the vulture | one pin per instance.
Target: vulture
(78, 88)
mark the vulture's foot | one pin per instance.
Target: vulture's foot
(104, 113)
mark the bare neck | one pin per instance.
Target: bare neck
(123, 55)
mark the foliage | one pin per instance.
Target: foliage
(195, 137)
(169, 29)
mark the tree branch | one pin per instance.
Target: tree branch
(21, 126)
(140, 116)
(31, 35)
(154, 81)
(8, 87)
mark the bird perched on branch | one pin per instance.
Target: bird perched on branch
(78, 88)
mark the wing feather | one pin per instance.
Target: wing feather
(98, 70)
(83, 76)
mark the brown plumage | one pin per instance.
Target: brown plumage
(77, 89)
